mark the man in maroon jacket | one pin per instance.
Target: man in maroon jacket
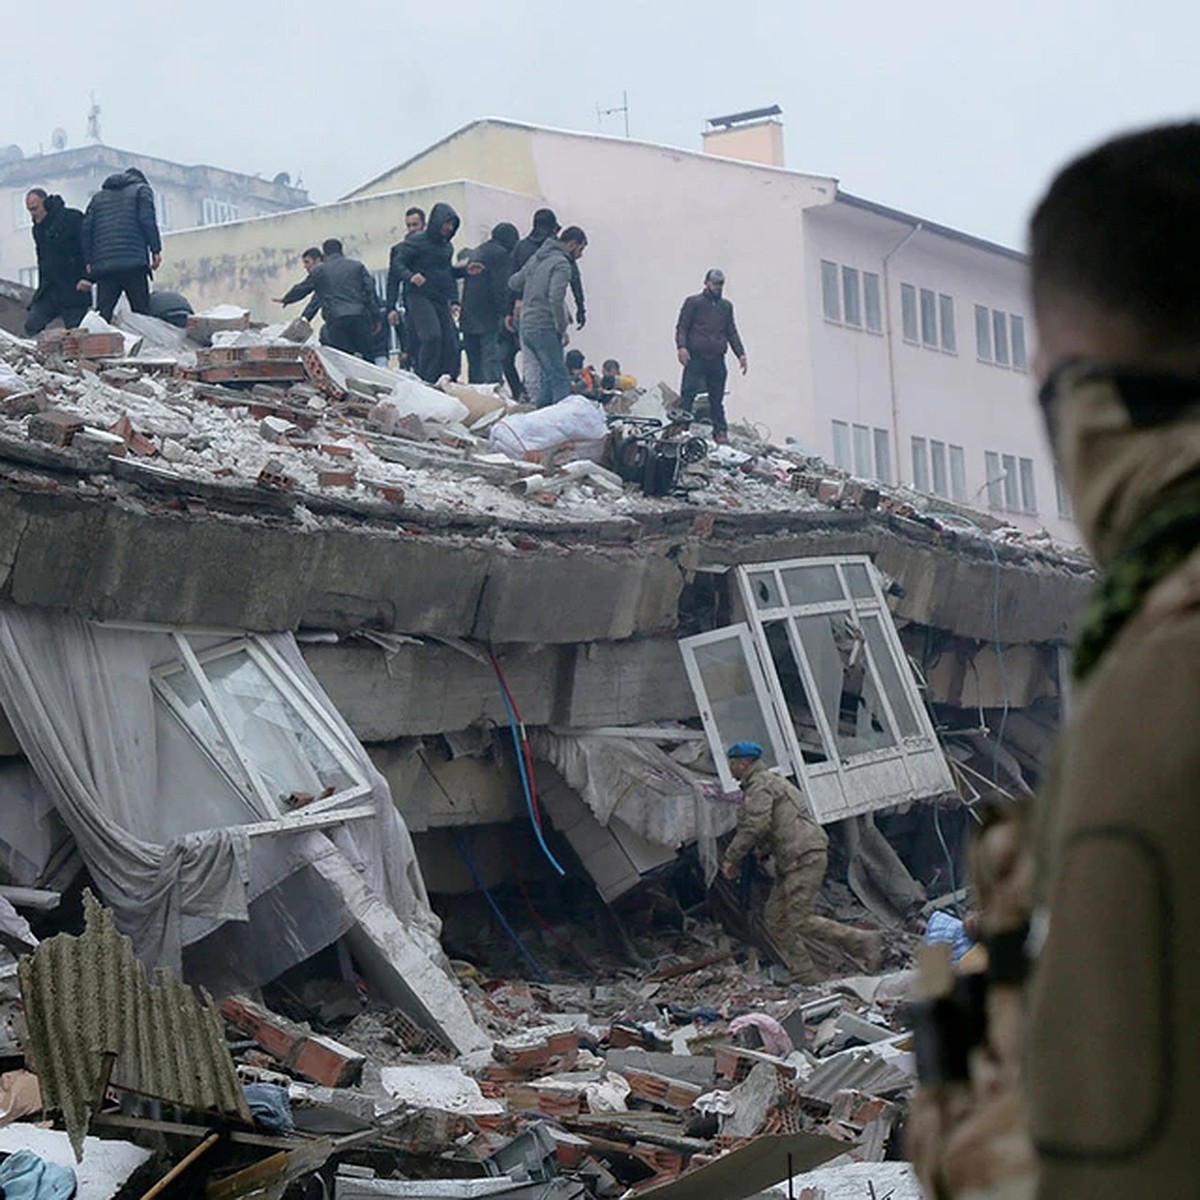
(705, 331)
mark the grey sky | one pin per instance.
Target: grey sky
(954, 110)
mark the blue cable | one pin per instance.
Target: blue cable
(512, 933)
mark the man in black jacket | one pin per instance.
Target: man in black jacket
(705, 331)
(484, 303)
(423, 264)
(121, 242)
(63, 289)
(349, 302)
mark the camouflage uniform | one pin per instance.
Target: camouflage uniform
(774, 820)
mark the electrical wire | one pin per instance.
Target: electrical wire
(542, 923)
(532, 962)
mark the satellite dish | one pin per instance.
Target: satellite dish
(12, 153)
(58, 139)
(283, 179)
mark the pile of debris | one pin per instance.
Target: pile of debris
(159, 1093)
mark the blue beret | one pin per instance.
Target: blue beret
(744, 750)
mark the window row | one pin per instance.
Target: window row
(218, 212)
(851, 297)
(865, 451)
(1009, 482)
(927, 318)
(939, 468)
(1000, 338)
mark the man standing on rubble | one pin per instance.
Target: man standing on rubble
(774, 820)
(484, 302)
(541, 284)
(703, 334)
(121, 242)
(349, 302)
(63, 289)
(423, 264)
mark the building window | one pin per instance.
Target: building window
(1000, 337)
(937, 461)
(162, 211)
(851, 297)
(1066, 509)
(958, 474)
(841, 446)
(218, 212)
(908, 311)
(1019, 357)
(983, 333)
(20, 214)
(929, 333)
(831, 302)
(883, 456)
(993, 479)
(1009, 467)
(920, 464)
(862, 451)
(872, 302)
(28, 277)
(1028, 491)
(946, 319)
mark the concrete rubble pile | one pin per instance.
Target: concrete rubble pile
(698, 1078)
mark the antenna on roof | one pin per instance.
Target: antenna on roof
(93, 120)
(601, 113)
(753, 114)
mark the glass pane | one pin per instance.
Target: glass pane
(765, 590)
(1000, 336)
(862, 451)
(928, 317)
(889, 677)
(983, 333)
(958, 473)
(908, 311)
(873, 302)
(920, 465)
(883, 456)
(946, 315)
(858, 579)
(993, 479)
(1010, 482)
(1028, 491)
(812, 585)
(1019, 358)
(283, 746)
(841, 446)
(830, 301)
(732, 700)
(188, 692)
(937, 460)
(846, 691)
(850, 297)
(791, 682)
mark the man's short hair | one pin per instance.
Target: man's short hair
(331, 246)
(714, 275)
(40, 193)
(312, 252)
(415, 212)
(1120, 228)
(545, 220)
(611, 367)
(573, 233)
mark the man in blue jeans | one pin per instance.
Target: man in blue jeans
(542, 286)
(704, 333)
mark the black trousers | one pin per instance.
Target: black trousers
(351, 334)
(434, 348)
(706, 375)
(44, 309)
(509, 345)
(135, 284)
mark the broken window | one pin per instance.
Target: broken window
(839, 693)
(258, 725)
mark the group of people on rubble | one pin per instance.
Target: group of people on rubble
(112, 248)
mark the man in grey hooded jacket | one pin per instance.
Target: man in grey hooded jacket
(542, 286)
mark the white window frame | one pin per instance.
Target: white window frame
(863, 444)
(947, 325)
(928, 308)
(910, 315)
(958, 473)
(342, 806)
(831, 291)
(920, 463)
(1028, 485)
(852, 306)
(983, 333)
(993, 480)
(939, 469)
(872, 302)
(1066, 510)
(843, 452)
(913, 767)
(881, 443)
(1016, 342)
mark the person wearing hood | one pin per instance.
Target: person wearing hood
(63, 289)
(541, 284)
(484, 303)
(121, 242)
(423, 264)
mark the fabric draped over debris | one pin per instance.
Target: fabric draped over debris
(159, 826)
(665, 802)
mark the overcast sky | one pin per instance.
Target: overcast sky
(956, 111)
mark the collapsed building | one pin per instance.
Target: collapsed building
(280, 685)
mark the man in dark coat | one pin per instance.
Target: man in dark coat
(484, 303)
(349, 302)
(704, 333)
(423, 264)
(63, 289)
(121, 242)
